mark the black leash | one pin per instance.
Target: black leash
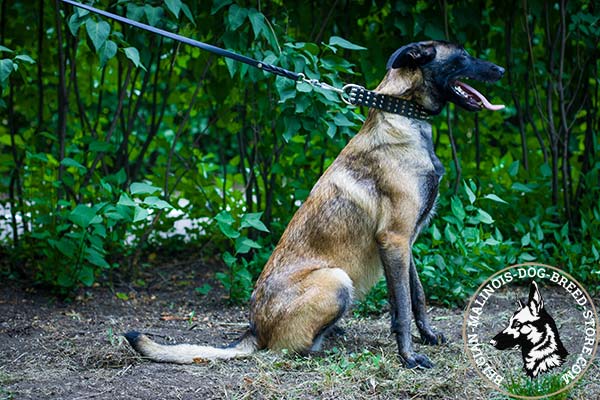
(350, 94)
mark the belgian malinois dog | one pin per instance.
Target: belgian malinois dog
(361, 219)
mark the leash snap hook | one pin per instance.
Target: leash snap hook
(350, 93)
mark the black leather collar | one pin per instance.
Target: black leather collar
(359, 96)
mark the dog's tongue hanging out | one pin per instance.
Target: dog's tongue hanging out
(472, 91)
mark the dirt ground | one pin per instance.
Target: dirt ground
(53, 349)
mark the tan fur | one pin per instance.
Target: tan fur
(373, 181)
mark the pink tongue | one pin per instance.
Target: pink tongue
(484, 101)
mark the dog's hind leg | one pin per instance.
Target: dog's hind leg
(325, 296)
(419, 308)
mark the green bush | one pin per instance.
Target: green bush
(91, 107)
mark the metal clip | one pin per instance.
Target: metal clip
(347, 95)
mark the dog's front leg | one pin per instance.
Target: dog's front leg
(419, 307)
(395, 256)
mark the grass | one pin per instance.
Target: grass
(366, 374)
(5, 379)
(544, 384)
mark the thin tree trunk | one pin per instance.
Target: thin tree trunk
(63, 105)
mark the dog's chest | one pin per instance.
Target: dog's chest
(430, 178)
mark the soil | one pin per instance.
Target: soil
(55, 349)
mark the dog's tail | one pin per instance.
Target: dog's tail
(189, 353)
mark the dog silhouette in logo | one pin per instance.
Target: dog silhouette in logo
(534, 330)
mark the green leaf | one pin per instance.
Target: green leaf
(224, 217)
(155, 202)
(25, 58)
(187, 13)
(125, 200)
(69, 162)
(485, 217)
(74, 24)
(134, 55)
(229, 259)
(227, 230)
(457, 208)
(343, 43)
(86, 275)
(143, 188)
(135, 12)
(470, 193)
(94, 257)
(203, 290)
(174, 6)
(108, 51)
(257, 19)
(5, 49)
(82, 215)
(65, 279)
(139, 214)
(244, 244)
(304, 87)
(81, 12)
(122, 296)
(331, 129)
(236, 16)
(253, 220)
(526, 257)
(526, 240)
(435, 233)
(6, 68)
(153, 14)
(545, 170)
(65, 245)
(115, 215)
(513, 170)
(519, 187)
(495, 198)
(292, 126)
(218, 4)
(449, 234)
(341, 120)
(286, 89)
(98, 32)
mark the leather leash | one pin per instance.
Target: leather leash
(351, 94)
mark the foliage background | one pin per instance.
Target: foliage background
(110, 136)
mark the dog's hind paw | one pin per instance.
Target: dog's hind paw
(432, 338)
(416, 360)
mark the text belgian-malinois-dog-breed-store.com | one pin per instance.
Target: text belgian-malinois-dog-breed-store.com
(360, 219)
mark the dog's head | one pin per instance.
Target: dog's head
(431, 73)
(526, 324)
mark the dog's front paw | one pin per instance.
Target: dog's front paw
(432, 338)
(416, 360)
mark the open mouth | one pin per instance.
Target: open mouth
(473, 98)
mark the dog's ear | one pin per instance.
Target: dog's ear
(412, 55)
(536, 303)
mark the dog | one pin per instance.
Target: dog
(360, 219)
(534, 330)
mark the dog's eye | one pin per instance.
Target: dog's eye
(516, 324)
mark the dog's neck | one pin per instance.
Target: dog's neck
(407, 84)
(400, 82)
(544, 355)
(395, 127)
